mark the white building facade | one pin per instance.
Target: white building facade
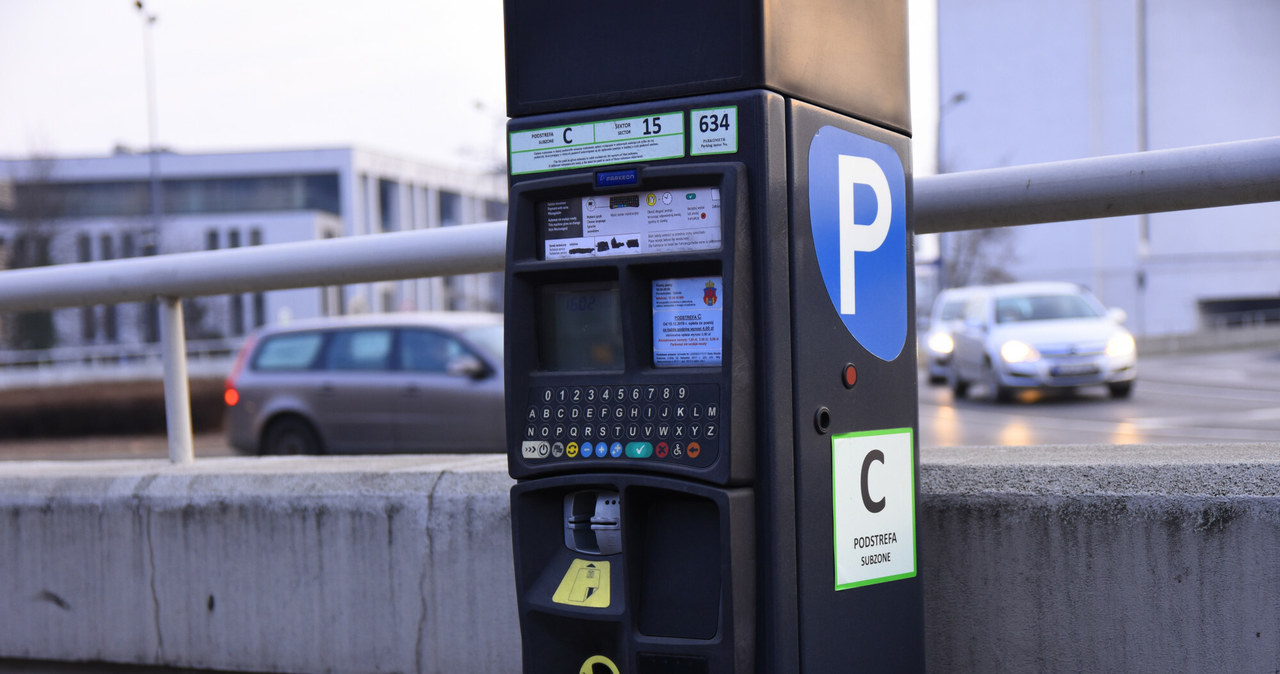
(1026, 82)
(68, 210)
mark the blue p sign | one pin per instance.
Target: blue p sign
(858, 213)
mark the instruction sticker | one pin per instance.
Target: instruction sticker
(873, 489)
(585, 584)
(612, 141)
(666, 220)
(687, 321)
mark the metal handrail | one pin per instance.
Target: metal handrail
(1145, 182)
(1204, 176)
(443, 251)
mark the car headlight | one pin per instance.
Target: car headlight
(941, 343)
(1014, 351)
(1121, 345)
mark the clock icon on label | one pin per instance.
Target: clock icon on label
(666, 197)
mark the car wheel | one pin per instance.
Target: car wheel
(959, 387)
(1120, 389)
(290, 435)
(1001, 394)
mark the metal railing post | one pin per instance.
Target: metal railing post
(177, 394)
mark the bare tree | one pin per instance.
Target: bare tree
(978, 257)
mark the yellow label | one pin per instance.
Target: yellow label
(585, 584)
(589, 667)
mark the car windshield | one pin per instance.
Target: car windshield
(489, 338)
(952, 310)
(1043, 308)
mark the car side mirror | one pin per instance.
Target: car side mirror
(467, 366)
(1117, 315)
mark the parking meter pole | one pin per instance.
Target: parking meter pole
(710, 363)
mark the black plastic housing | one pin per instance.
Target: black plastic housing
(845, 55)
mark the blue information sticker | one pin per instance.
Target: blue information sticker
(858, 213)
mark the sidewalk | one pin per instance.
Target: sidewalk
(107, 447)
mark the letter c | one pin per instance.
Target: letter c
(565, 135)
(872, 506)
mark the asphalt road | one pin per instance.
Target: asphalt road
(1218, 397)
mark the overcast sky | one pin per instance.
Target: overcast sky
(421, 79)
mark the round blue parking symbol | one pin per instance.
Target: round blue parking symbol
(858, 214)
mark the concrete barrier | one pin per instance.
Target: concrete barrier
(1102, 559)
(1133, 559)
(386, 564)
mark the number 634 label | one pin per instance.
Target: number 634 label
(713, 131)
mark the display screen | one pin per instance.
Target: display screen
(688, 330)
(652, 221)
(580, 327)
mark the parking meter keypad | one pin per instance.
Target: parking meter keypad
(665, 422)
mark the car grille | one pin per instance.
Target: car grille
(1069, 350)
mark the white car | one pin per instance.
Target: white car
(1040, 335)
(946, 317)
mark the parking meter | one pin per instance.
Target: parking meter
(710, 365)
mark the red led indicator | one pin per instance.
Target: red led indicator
(850, 375)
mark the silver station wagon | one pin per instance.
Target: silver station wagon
(389, 383)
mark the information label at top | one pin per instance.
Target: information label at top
(614, 141)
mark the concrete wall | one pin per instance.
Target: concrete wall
(1134, 559)
(1102, 559)
(291, 565)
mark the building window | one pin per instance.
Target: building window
(388, 205)
(151, 314)
(88, 324)
(450, 209)
(237, 300)
(315, 192)
(211, 240)
(109, 327)
(259, 301)
(366, 198)
(84, 248)
(494, 210)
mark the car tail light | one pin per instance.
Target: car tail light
(230, 394)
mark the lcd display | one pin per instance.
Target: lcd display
(580, 327)
(687, 321)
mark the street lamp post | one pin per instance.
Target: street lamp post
(150, 239)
